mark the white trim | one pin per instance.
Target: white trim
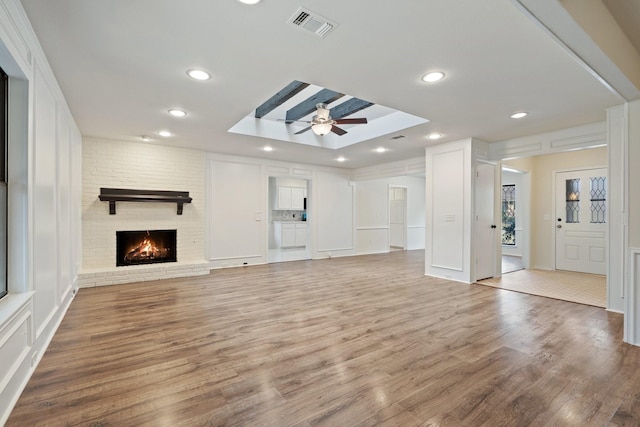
(630, 318)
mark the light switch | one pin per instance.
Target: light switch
(258, 216)
(450, 218)
(546, 217)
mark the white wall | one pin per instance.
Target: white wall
(44, 202)
(618, 189)
(333, 214)
(239, 209)
(372, 213)
(450, 207)
(140, 166)
(448, 199)
(237, 212)
(630, 127)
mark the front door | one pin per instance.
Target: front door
(580, 221)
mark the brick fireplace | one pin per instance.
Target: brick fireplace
(137, 165)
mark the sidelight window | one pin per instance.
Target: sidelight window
(509, 214)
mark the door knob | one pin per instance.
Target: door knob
(558, 226)
(493, 226)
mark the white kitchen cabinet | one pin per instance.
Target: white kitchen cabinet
(301, 234)
(284, 198)
(290, 234)
(290, 198)
(297, 199)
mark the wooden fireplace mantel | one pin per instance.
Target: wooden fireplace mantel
(113, 195)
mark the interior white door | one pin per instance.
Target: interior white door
(485, 231)
(581, 216)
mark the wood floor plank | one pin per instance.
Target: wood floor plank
(357, 341)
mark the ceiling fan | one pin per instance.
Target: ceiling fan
(322, 123)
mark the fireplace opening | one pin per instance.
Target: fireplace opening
(145, 247)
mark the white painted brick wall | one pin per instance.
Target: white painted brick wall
(117, 164)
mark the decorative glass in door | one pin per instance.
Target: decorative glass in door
(509, 214)
(573, 200)
(598, 200)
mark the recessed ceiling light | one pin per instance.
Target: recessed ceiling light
(249, 1)
(198, 74)
(145, 137)
(165, 133)
(177, 113)
(519, 115)
(380, 150)
(434, 136)
(341, 159)
(433, 76)
(267, 148)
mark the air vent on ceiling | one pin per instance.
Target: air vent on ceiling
(312, 22)
(397, 137)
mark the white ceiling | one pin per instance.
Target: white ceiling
(122, 64)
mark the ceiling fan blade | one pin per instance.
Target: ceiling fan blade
(351, 121)
(338, 131)
(303, 130)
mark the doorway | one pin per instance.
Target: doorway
(514, 206)
(540, 174)
(397, 218)
(289, 225)
(581, 220)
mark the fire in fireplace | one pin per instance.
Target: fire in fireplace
(145, 247)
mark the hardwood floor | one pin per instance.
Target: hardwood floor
(358, 341)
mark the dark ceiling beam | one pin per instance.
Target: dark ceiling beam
(349, 107)
(325, 96)
(289, 91)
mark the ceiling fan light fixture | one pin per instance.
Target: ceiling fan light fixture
(322, 112)
(321, 129)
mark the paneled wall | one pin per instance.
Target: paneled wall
(372, 213)
(237, 212)
(238, 209)
(44, 203)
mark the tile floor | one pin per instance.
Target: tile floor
(583, 288)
